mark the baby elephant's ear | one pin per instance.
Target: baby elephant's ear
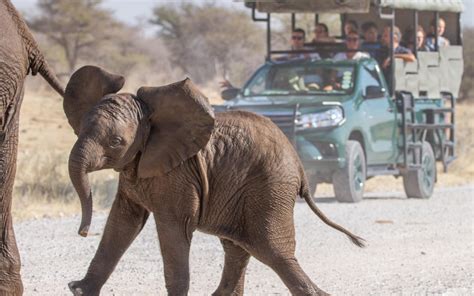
(182, 121)
(85, 88)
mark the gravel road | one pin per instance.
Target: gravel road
(415, 247)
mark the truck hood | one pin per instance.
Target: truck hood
(286, 100)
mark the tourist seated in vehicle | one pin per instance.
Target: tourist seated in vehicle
(321, 39)
(305, 78)
(350, 26)
(399, 51)
(352, 46)
(329, 78)
(333, 81)
(420, 39)
(431, 37)
(371, 43)
(321, 34)
(297, 43)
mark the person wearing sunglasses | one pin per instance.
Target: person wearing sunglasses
(297, 39)
(352, 46)
(297, 42)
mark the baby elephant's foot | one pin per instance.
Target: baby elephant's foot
(79, 288)
(322, 293)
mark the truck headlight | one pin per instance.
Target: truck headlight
(328, 118)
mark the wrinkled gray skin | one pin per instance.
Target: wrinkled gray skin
(19, 55)
(234, 175)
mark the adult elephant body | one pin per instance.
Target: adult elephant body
(234, 175)
(19, 55)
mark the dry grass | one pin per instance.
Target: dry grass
(43, 188)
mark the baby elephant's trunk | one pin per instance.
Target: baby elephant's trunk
(304, 192)
(78, 167)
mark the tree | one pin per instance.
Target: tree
(77, 27)
(209, 40)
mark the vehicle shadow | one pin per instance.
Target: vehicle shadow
(385, 196)
(320, 200)
(369, 196)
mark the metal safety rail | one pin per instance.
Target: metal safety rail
(414, 134)
(446, 132)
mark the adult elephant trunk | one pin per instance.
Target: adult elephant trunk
(79, 165)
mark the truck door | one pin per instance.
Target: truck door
(379, 113)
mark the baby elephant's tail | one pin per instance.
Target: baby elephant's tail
(304, 192)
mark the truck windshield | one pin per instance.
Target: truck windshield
(301, 79)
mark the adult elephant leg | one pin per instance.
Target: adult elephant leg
(175, 241)
(126, 220)
(10, 279)
(235, 264)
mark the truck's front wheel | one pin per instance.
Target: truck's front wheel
(312, 187)
(349, 181)
(419, 183)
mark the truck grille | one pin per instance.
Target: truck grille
(283, 117)
(285, 121)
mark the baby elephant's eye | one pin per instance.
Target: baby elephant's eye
(115, 142)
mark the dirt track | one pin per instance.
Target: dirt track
(415, 247)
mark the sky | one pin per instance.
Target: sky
(139, 11)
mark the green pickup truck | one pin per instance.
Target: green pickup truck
(348, 123)
(343, 122)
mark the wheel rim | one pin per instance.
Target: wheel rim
(428, 173)
(358, 175)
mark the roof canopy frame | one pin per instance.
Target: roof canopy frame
(352, 6)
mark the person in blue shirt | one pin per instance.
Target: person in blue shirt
(399, 52)
(371, 42)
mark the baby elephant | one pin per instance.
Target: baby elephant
(234, 175)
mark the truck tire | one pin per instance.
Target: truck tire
(419, 183)
(312, 184)
(349, 182)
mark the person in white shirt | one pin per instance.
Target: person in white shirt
(352, 44)
(431, 38)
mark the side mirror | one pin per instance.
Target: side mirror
(230, 93)
(372, 92)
